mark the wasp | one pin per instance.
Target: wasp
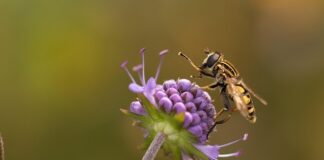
(234, 93)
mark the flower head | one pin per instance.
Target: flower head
(179, 109)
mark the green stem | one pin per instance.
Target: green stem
(154, 147)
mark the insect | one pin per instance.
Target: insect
(234, 93)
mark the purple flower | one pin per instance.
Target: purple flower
(212, 152)
(146, 88)
(180, 109)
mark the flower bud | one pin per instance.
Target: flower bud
(166, 104)
(137, 108)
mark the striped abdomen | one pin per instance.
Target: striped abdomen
(246, 106)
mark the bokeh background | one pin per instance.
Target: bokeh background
(61, 86)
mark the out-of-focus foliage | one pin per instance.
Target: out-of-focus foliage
(61, 86)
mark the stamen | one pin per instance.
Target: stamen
(124, 66)
(230, 154)
(230, 143)
(143, 71)
(162, 53)
(138, 69)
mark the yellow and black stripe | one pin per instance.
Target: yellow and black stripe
(246, 98)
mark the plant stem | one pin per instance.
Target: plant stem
(154, 147)
(1, 148)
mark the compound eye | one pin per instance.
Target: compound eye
(212, 59)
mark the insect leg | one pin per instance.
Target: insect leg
(202, 72)
(211, 86)
(226, 107)
(219, 122)
(190, 61)
(225, 99)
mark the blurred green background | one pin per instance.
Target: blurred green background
(61, 86)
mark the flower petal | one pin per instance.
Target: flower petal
(196, 130)
(187, 119)
(184, 84)
(150, 86)
(137, 108)
(169, 84)
(187, 96)
(135, 88)
(172, 91)
(159, 95)
(149, 89)
(179, 107)
(166, 104)
(175, 98)
(211, 152)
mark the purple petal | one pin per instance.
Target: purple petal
(211, 152)
(187, 120)
(210, 122)
(204, 126)
(150, 86)
(149, 89)
(207, 96)
(135, 88)
(203, 138)
(159, 94)
(166, 104)
(179, 107)
(202, 115)
(159, 87)
(197, 92)
(210, 110)
(191, 107)
(187, 96)
(169, 84)
(184, 84)
(200, 102)
(137, 108)
(196, 130)
(175, 98)
(196, 119)
(172, 91)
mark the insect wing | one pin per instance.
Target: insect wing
(264, 102)
(238, 100)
